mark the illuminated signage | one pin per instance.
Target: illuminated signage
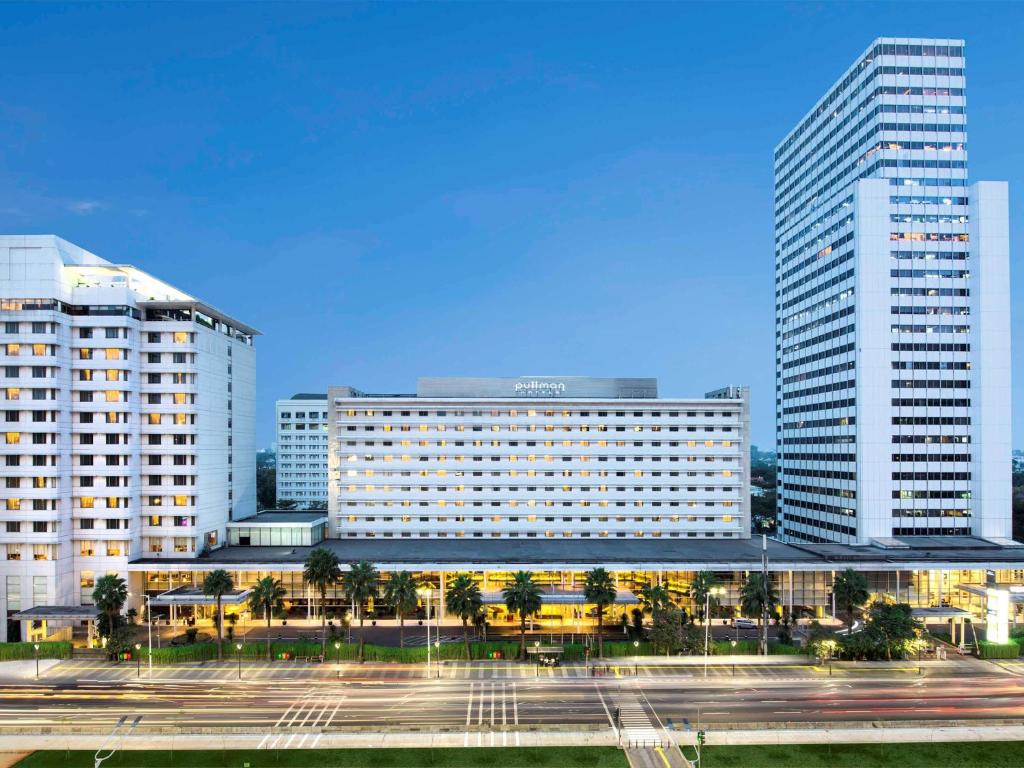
(997, 629)
(538, 388)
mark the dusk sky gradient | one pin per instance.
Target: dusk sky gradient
(391, 191)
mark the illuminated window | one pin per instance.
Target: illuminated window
(38, 349)
(180, 337)
(726, 473)
(154, 418)
(113, 374)
(13, 505)
(726, 518)
(180, 419)
(113, 502)
(112, 396)
(181, 501)
(13, 438)
(14, 350)
(88, 502)
(180, 398)
(112, 354)
(83, 354)
(13, 393)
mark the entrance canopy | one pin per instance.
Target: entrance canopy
(561, 597)
(57, 613)
(189, 595)
(981, 590)
(940, 614)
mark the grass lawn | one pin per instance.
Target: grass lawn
(473, 757)
(975, 754)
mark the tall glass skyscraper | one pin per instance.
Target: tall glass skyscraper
(891, 310)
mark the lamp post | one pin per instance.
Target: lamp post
(536, 655)
(437, 652)
(238, 648)
(35, 649)
(636, 652)
(149, 622)
(337, 647)
(707, 622)
(427, 593)
(138, 660)
(732, 643)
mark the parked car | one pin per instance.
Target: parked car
(744, 624)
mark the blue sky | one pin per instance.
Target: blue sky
(389, 191)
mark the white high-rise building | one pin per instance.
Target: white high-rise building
(892, 310)
(129, 421)
(538, 457)
(301, 425)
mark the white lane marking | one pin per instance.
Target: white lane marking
(504, 718)
(469, 715)
(607, 712)
(515, 710)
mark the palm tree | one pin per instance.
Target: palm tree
(267, 596)
(109, 596)
(361, 582)
(654, 599)
(700, 588)
(522, 596)
(320, 571)
(599, 589)
(400, 591)
(463, 599)
(215, 585)
(757, 597)
(850, 590)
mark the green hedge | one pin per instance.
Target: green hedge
(750, 648)
(1010, 650)
(15, 651)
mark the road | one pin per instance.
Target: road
(292, 711)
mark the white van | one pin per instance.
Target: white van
(744, 624)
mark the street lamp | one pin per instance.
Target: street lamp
(732, 643)
(437, 652)
(138, 660)
(707, 622)
(35, 648)
(238, 648)
(337, 647)
(536, 655)
(636, 652)
(149, 622)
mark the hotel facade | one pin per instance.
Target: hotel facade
(300, 424)
(128, 422)
(892, 310)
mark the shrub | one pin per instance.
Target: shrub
(1010, 650)
(16, 651)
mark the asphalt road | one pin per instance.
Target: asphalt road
(290, 712)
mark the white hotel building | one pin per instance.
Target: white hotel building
(544, 457)
(892, 310)
(128, 411)
(301, 427)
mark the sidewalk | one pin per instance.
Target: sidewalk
(870, 733)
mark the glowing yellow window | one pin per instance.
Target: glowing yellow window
(112, 353)
(154, 418)
(513, 503)
(638, 473)
(180, 419)
(726, 503)
(531, 518)
(181, 501)
(368, 472)
(549, 427)
(180, 398)
(351, 518)
(38, 482)
(387, 427)
(112, 395)
(369, 413)
(691, 443)
(495, 518)
(113, 374)
(423, 427)
(13, 438)
(368, 487)
(38, 349)
(13, 505)
(709, 443)
(351, 412)
(13, 393)
(495, 428)
(726, 518)
(638, 429)
(180, 337)
(14, 349)
(83, 354)
(727, 443)
(113, 502)
(88, 502)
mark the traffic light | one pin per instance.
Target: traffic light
(700, 738)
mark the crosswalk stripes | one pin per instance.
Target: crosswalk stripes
(637, 728)
(490, 706)
(307, 713)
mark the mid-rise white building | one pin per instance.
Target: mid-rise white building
(129, 428)
(892, 310)
(301, 426)
(538, 457)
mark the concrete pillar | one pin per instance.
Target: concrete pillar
(440, 597)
